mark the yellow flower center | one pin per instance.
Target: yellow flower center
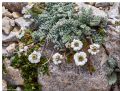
(94, 49)
(81, 58)
(34, 56)
(57, 58)
(76, 44)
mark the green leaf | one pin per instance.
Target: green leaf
(112, 78)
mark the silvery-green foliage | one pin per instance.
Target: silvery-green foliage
(88, 18)
(98, 38)
(60, 24)
(111, 71)
(67, 29)
(112, 78)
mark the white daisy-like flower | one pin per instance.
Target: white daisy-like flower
(34, 57)
(57, 58)
(94, 49)
(76, 45)
(80, 58)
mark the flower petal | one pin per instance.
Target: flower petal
(36, 60)
(76, 58)
(57, 58)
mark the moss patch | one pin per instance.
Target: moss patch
(29, 72)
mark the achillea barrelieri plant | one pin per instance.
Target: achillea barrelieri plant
(61, 24)
(75, 36)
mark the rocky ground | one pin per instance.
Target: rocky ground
(66, 77)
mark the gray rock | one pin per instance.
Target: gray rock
(113, 33)
(4, 52)
(6, 41)
(14, 6)
(99, 13)
(4, 85)
(119, 8)
(23, 23)
(12, 22)
(91, 3)
(7, 62)
(103, 4)
(16, 15)
(6, 13)
(69, 77)
(7, 24)
(12, 76)
(114, 11)
(11, 48)
(111, 22)
(116, 88)
(112, 45)
(16, 31)
(10, 38)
